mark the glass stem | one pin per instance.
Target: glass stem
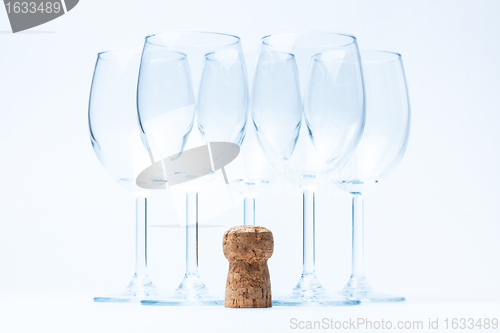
(308, 235)
(249, 211)
(358, 272)
(141, 242)
(192, 233)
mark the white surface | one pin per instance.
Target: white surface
(431, 229)
(83, 316)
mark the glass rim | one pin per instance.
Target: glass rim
(391, 56)
(317, 56)
(289, 56)
(209, 55)
(236, 38)
(113, 51)
(180, 55)
(311, 32)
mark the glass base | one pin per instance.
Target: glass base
(325, 299)
(122, 298)
(140, 288)
(359, 289)
(175, 300)
(309, 292)
(191, 292)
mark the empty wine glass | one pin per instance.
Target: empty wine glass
(334, 107)
(223, 97)
(251, 173)
(115, 137)
(223, 117)
(276, 114)
(334, 116)
(211, 70)
(277, 105)
(382, 146)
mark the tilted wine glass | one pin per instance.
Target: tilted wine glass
(115, 137)
(380, 149)
(284, 61)
(159, 94)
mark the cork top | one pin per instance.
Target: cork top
(248, 243)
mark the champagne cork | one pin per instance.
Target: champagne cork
(248, 283)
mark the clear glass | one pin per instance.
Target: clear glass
(115, 137)
(209, 81)
(277, 105)
(326, 67)
(223, 108)
(380, 149)
(166, 105)
(223, 97)
(251, 174)
(334, 106)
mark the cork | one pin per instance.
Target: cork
(248, 283)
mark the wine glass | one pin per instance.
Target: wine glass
(382, 146)
(223, 117)
(334, 105)
(115, 137)
(251, 174)
(334, 113)
(223, 97)
(206, 57)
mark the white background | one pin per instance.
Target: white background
(67, 231)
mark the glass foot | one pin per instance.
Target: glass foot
(140, 288)
(175, 300)
(325, 299)
(370, 296)
(309, 292)
(191, 292)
